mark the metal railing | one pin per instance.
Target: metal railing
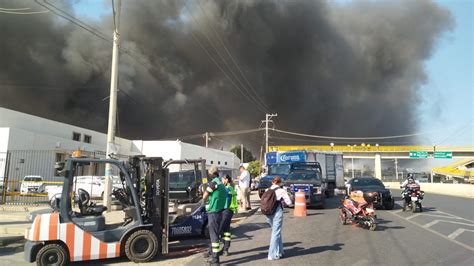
(26, 176)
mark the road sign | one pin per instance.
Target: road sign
(418, 154)
(443, 154)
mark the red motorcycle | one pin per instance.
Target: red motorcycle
(359, 212)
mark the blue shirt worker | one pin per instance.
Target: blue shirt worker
(215, 196)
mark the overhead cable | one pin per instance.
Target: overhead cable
(348, 138)
(252, 100)
(251, 88)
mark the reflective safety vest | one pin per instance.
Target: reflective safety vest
(231, 202)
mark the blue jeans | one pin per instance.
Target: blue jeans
(275, 221)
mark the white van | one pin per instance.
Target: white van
(32, 184)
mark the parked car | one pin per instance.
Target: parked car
(94, 185)
(32, 184)
(371, 184)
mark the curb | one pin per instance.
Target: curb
(7, 240)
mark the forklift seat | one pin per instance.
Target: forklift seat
(86, 208)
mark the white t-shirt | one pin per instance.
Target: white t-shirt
(244, 180)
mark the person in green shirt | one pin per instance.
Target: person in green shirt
(214, 199)
(231, 207)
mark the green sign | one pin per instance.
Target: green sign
(418, 154)
(443, 154)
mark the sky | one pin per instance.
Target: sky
(448, 96)
(446, 109)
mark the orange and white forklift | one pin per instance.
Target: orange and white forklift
(77, 230)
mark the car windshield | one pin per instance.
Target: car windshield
(33, 178)
(182, 180)
(366, 182)
(279, 169)
(305, 176)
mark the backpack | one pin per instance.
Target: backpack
(268, 203)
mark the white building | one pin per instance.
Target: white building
(20, 131)
(34, 144)
(178, 150)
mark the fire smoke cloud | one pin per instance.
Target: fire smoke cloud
(328, 69)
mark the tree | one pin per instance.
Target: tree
(254, 168)
(248, 157)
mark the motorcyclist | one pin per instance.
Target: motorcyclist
(405, 185)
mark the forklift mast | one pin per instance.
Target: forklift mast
(156, 188)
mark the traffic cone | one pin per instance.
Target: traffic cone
(300, 204)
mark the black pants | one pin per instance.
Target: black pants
(225, 227)
(213, 221)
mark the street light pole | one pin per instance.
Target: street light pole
(396, 168)
(111, 148)
(242, 153)
(352, 150)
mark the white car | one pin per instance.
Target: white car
(94, 185)
(32, 184)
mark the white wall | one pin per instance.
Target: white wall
(178, 150)
(4, 137)
(28, 132)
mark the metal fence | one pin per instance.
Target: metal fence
(26, 176)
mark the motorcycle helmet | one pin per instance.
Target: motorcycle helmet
(410, 178)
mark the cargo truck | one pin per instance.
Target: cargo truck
(282, 164)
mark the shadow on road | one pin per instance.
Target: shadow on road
(263, 254)
(291, 252)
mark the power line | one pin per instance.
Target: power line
(348, 138)
(218, 65)
(23, 13)
(326, 142)
(238, 132)
(252, 89)
(15, 9)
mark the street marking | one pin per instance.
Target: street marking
(437, 221)
(413, 216)
(436, 233)
(431, 223)
(456, 233)
(454, 216)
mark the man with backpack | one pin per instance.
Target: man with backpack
(272, 206)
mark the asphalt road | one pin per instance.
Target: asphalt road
(442, 235)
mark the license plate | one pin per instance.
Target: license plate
(369, 210)
(414, 198)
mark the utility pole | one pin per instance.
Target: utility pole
(396, 168)
(207, 139)
(111, 148)
(267, 119)
(242, 153)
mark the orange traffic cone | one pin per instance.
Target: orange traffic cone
(300, 204)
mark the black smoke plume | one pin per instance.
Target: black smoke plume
(326, 68)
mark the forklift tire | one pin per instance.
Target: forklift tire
(52, 254)
(141, 246)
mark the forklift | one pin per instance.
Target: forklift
(186, 187)
(80, 233)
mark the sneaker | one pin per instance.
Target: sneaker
(226, 253)
(270, 258)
